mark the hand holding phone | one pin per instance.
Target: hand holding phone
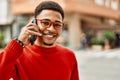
(33, 37)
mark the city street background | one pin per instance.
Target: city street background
(87, 23)
(98, 65)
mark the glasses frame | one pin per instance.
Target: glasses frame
(51, 23)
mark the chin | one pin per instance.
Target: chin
(48, 44)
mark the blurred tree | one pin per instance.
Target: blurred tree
(2, 43)
(110, 37)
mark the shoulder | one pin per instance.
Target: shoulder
(68, 55)
(66, 51)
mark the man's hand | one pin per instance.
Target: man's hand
(29, 29)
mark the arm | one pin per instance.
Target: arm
(8, 58)
(75, 75)
(14, 49)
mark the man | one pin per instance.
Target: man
(45, 59)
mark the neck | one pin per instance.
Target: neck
(40, 43)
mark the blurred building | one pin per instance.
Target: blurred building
(86, 16)
(6, 20)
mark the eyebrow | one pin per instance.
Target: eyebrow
(50, 20)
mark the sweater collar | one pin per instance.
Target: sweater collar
(44, 49)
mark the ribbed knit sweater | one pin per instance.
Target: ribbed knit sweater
(37, 63)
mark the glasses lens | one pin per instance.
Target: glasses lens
(45, 23)
(56, 25)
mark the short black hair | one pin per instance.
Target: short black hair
(49, 5)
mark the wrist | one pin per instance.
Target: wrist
(20, 42)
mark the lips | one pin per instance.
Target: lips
(49, 35)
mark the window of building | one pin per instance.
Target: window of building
(114, 4)
(99, 2)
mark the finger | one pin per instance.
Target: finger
(30, 24)
(34, 28)
(34, 33)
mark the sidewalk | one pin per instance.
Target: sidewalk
(99, 65)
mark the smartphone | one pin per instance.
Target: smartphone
(33, 37)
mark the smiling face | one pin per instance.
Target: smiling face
(50, 25)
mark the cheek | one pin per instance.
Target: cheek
(59, 32)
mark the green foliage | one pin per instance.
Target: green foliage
(96, 41)
(2, 44)
(109, 35)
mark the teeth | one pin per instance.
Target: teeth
(50, 35)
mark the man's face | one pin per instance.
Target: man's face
(50, 25)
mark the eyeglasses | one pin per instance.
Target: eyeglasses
(47, 23)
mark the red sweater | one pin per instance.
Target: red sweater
(37, 63)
